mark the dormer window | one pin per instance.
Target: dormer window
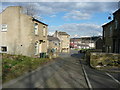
(36, 28)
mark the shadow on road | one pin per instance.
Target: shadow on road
(78, 55)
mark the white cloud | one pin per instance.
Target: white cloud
(50, 33)
(76, 36)
(87, 8)
(78, 29)
(59, 0)
(77, 15)
(53, 16)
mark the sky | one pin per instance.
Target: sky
(76, 18)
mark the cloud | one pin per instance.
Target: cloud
(71, 10)
(49, 8)
(77, 15)
(50, 33)
(78, 29)
(76, 36)
(59, 0)
(53, 16)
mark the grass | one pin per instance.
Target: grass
(14, 66)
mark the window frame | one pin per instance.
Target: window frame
(36, 28)
(3, 51)
(36, 48)
(44, 30)
(110, 31)
(116, 24)
(5, 27)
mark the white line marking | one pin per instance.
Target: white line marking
(89, 84)
(113, 78)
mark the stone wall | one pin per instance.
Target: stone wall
(104, 59)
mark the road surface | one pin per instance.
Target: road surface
(67, 71)
(64, 72)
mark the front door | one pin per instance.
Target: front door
(114, 46)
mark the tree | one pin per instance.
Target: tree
(31, 10)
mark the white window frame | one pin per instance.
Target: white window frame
(3, 51)
(3, 27)
(36, 28)
(36, 48)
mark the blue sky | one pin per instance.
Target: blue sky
(76, 18)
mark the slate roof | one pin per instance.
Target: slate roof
(39, 21)
(63, 33)
(51, 38)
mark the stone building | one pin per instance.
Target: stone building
(111, 34)
(64, 41)
(21, 34)
(53, 45)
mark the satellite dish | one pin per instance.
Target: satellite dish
(109, 18)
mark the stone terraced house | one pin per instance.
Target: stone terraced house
(111, 34)
(22, 34)
(64, 41)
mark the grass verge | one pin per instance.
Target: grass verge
(14, 66)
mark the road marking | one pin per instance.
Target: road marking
(113, 78)
(88, 81)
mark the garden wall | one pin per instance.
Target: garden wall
(98, 59)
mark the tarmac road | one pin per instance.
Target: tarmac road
(64, 72)
(67, 71)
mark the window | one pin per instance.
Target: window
(116, 24)
(104, 33)
(110, 31)
(3, 49)
(44, 30)
(36, 48)
(36, 28)
(3, 27)
(56, 44)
